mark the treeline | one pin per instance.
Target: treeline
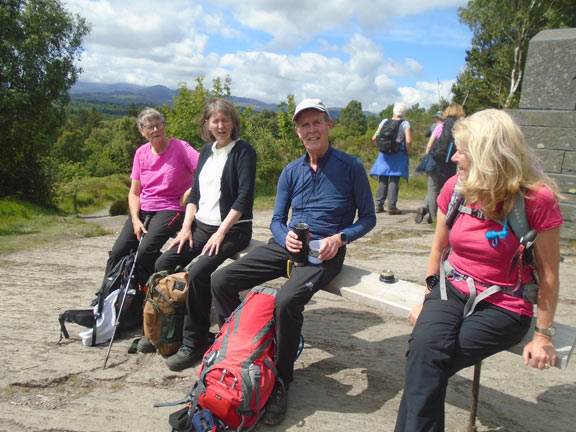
(90, 145)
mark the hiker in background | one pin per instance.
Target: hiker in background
(437, 121)
(438, 169)
(162, 174)
(494, 165)
(217, 224)
(388, 168)
(324, 188)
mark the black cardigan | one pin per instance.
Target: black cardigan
(237, 182)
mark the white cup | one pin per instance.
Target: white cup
(313, 251)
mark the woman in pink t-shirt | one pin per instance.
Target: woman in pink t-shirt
(162, 174)
(494, 165)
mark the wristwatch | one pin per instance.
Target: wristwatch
(343, 237)
(546, 331)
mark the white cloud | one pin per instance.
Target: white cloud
(270, 48)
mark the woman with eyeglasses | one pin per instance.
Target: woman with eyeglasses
(162, 173)
(480, 292)
(217, 225)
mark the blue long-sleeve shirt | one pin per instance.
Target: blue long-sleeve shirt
(326, 199)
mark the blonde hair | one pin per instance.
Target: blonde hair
(453, 110)
(501, 163)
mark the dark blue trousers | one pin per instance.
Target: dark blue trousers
(444, 342)
(269, 262)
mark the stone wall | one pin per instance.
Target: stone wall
(547, 112)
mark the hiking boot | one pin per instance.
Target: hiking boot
(277, 405)
(145, 346)
(420, 213)
(379, 209)
(394, 211)
(185, 358)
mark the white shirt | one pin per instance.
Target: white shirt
(209, 186)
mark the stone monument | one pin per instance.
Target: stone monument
(547, 113)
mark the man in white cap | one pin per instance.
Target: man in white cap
(325, 188)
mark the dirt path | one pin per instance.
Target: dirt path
(349, 376)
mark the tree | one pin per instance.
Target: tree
(502, 30)
(352, 119)
(39, 45)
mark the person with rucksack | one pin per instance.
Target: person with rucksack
(437, 161)
(479, 298)
(394, 140)
(162, 175)
(217, 224)
(323, 191)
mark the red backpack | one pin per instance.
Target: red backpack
(238, 373)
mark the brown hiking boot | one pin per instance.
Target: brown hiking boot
(277, 405)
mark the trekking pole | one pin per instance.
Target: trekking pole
(117, 322)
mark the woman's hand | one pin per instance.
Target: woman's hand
(212, 246)
(540, 352)
(415, 313)
(139, 228)
(181, 239)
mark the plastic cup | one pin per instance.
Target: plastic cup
(314, 251)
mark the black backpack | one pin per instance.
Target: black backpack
(443, 148)
(386, 140)
(110, 293)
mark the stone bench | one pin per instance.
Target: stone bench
(399, 297)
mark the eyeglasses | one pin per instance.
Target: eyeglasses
(151, 128)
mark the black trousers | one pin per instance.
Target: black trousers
(199, 298)
(444, 342)
(163, 225)
(269, 262)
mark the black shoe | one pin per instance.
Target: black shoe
(379, 209)
(420, 213)
(277, 405)
(145, 346)
(185, 358)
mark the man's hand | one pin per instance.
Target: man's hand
(330, 246)
(293, 245)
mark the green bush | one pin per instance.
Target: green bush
(119, 207)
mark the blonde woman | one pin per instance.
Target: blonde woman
(494, 165)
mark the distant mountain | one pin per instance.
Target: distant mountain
(158, 95)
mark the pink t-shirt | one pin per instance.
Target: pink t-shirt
(473, 254)
(437, 132)
(164, 177)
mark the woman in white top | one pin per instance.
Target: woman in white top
(217, 224)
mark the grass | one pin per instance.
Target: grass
(25, 226)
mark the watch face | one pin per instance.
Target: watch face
(343, 237)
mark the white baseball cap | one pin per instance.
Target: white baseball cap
(316, 104)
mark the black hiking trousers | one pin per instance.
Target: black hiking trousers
(269, 262)
(199, 299)
(163, 225)
(444, 342)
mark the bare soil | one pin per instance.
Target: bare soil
(349, 376)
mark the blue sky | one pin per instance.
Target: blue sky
(375, 51)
